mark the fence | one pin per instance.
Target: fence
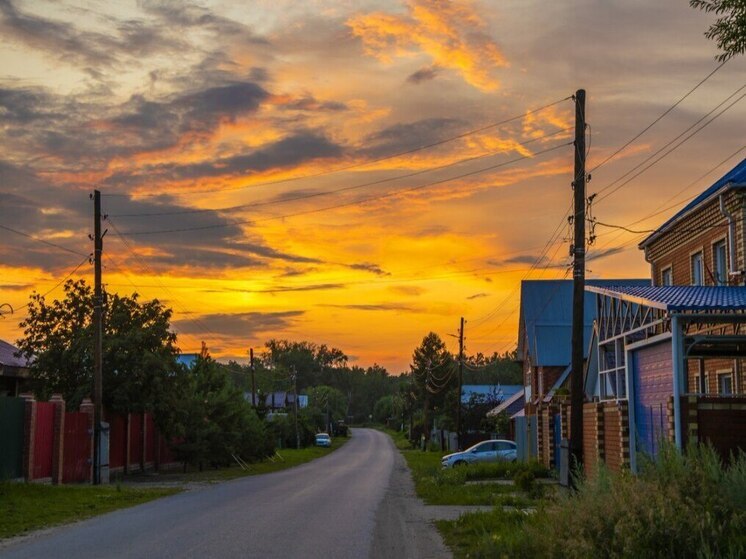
(42, 441)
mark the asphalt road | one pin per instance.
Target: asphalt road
(326, 509)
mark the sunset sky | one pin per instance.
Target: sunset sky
(336, 171)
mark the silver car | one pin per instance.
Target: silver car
(497, 450)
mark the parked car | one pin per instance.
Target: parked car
(487, 451)
(323, 439)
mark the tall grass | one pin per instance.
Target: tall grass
(685, 506)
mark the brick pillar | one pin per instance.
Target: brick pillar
(593, 436)
(58, 448)
(539, 434)
(692, 419)
(624, 431)
(671, 421)
(128, 439)
(86, 406)
(29, 436)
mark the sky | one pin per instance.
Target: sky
(351, 173)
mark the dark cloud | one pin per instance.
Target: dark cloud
(593, 255)
(424, 74)
(374, 307)
(410, 290)
(288, 289)
(284, 153)
(520, 259)
(369, 267)
(309, 103)
(16, 287)
(238, 324)
(477, 296)
(402, 137)
(65, 41)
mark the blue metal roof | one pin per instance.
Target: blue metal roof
(546, 315)
(679, 298)
(735, 177)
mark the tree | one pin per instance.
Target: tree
(327, 404)
(729, 30)
(139, 349)
(213, 420)
(432, 373)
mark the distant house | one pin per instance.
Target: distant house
(279, 400)
(14, 371)
(544, 353)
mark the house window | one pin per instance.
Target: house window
(725, 383)
(698, 272)
(667, 276)
(720, 263)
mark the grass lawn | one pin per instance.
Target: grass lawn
(438, 486)
(483, 534)
(29, 506)
(288, 458)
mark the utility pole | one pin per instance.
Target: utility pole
(426, 431)
(98, 247)
(578, 287)
(460, 381)
(253, 378)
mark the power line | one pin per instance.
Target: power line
(63, 280)
(347, 204)
(674, 148)
(649, 126)
(370, 162)
(44, 241)
(252, 205)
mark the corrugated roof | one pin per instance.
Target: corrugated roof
(735, 177)
(8, 357)
(678, 298)
(546, 315)
(510, 406)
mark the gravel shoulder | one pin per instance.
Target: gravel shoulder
(404, 527)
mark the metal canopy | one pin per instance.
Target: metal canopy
(679, 298)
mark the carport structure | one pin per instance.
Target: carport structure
(654, 346)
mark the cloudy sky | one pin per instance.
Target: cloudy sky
(355, 173)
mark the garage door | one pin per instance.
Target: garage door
(652, 375)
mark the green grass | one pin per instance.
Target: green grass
(288, 458)
(28, 506)
(438, 486)
(484, 534)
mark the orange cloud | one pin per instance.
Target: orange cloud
(450, 34)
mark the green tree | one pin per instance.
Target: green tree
(138, 348)
(729, 30)
(433, 373)
(213, 420)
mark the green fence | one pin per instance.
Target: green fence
(12, 412)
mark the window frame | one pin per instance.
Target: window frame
(701, 254)
(668, 269)
(723, 241)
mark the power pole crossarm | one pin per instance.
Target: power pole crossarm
(578, 287)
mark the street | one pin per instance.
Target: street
(326, 508)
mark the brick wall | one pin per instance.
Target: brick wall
(696, 232)
(593, 433)
(720, 421)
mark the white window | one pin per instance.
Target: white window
(720, 263)
(667, 276)
(725, 383)
(698, 272)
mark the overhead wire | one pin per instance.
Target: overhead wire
(43, 241)
(59, 283)
(368, 162)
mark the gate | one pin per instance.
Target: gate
(77, 449)
(652, 374)
(12, 413)
(43, 440)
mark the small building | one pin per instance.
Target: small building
(15, 371)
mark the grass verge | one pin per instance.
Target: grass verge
(28, 506)
(287, 458)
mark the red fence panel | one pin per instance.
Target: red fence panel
(77, 448)
(117, 440)
(149, 438)
(43, 440)
(135, 438)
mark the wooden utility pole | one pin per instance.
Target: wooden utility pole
(295, 404)
(460, 382)
(98, 247)
(253, 378)
(578, 287)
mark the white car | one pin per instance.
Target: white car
(323, 439)
(497, 450)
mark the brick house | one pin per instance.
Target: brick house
(668, 359)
